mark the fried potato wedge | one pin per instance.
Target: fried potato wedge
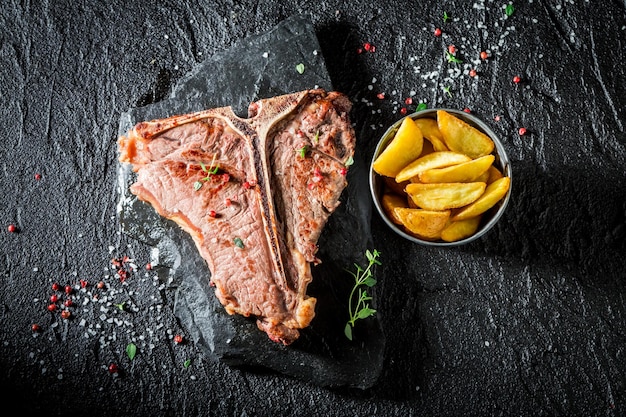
(392, 186)
(425, 224)
(494, 174)
(406, 146)
(391, 202)
(455, 231)
(493, 193)
(432, 160)
(445, 196)
(430, 130)
(462, 137)
(463, 172)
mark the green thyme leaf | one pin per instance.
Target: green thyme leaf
(358, 306)
(349, 162)
(316, 138)
(452, 59)
(187, 363)
(509, 9)
(302, 151)
(447, 91)
(121, 306)
(421, 106)
(131, 351)
(445, 17)
(238, 242)
(300, 68)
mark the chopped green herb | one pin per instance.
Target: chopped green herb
(209, 171)
(362, 309)
(509, 9)
(447, 91)
(445, 17)
(121, 306)
(300, 68)
(349, 162)
(302, 151)
(421, 106)
(316, 138)
(238, 242)
(131, 351)
(187, 363)
(452, 58)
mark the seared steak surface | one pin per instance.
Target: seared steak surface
(253, 193)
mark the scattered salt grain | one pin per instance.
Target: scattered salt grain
(265, 54)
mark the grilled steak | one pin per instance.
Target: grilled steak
(253, 193)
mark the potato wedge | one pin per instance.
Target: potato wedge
(425, 224)
(493, 193)
(461, 229)
(494, 174)
(445, 195)
(462, 137)
(392, 201)
(433, 160)
(463, 172)
(405, 147)
(484, 177)
(395, 187)
(431, 133)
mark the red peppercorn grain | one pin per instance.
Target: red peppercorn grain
(178, 339)
(68, 303)
(381, 96)
(522, 131)
(37, 177)
(483, 55)
(408, 101)
(83, 283)
(68, 289)
(66, 314)
(52, 307)
(452, 49)
(148, 267)
(403, 110)
(54, 298)
(56, 286)
(12, 228)
(113, 369)
(517, 79)
(100, 285)
(467, 110)
(472, 73)
(35, 327)
(437, 32)
(212, 214)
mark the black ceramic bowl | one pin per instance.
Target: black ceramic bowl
(489, 219)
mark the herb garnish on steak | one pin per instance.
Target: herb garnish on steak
(253, 193)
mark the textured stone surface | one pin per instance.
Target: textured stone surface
(527, 321)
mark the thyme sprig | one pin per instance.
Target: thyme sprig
(358, 303)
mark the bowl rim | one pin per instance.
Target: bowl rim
(501, 158)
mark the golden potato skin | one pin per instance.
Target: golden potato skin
(405, 147)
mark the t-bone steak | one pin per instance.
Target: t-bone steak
(253, 193)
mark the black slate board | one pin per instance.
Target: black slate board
(259, 67)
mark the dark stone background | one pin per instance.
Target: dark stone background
(530, 320)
